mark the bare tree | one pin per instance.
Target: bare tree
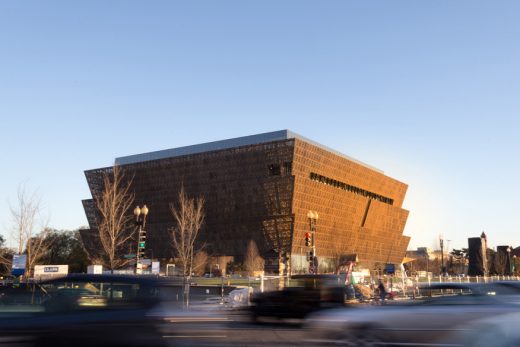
(200, 260)
(5, 261)
(6, 256)
(114, 221)
(459, 257)
(500, 263)
(37, 247)
(26, 218)
(222, 263)
(338, 255)
(189, 216)
(253, 261)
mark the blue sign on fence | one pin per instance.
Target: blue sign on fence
(390, 268)
(19, 261)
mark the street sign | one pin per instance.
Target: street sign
(129, 256)
(390, 268)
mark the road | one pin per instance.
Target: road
(230, 330)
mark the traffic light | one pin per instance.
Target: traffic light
(141, 243)
(307, 239)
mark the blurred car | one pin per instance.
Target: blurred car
(412, 322)
(83, 310)
(497, 331)
(506, 288)
(15, 293)
(69, 299)
(305, 294)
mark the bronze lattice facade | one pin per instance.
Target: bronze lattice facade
(261, 187)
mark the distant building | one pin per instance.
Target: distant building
(477, 250)
(261, 187)
(423, 252)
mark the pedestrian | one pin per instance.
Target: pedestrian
(382, 291)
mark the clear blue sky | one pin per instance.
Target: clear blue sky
(427, 91)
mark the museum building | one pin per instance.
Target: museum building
(262, 187)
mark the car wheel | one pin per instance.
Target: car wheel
(258, 318)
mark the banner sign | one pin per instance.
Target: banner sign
(95, 269)
(19, 261)
(50, 270)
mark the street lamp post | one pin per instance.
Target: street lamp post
(140, 220)
(509, 249)
(441, 240)
(313, 219)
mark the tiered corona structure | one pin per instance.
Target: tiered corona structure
(261, 188)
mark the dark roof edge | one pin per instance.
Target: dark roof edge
(226, 144)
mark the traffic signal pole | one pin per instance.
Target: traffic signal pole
(313, 263)
(313, 249)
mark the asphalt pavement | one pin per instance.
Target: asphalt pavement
(230, 330)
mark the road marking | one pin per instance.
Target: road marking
(333, 342)
(193, 336)
(196, 319)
